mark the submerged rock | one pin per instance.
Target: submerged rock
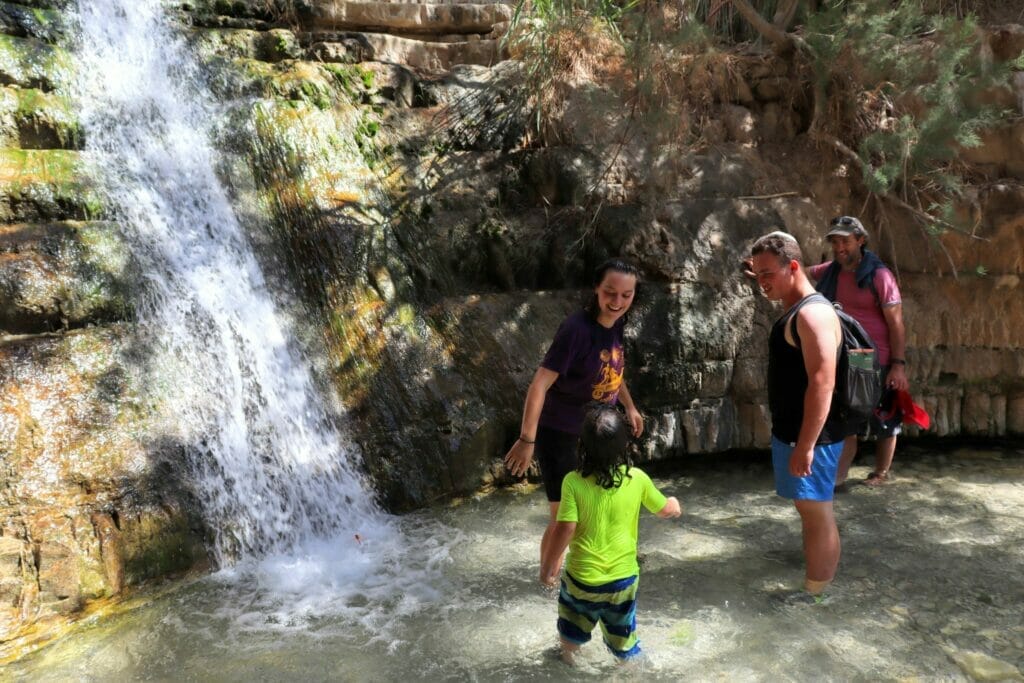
(983, 667)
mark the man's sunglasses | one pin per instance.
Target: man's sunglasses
(844, 221)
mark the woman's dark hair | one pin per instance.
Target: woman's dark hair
(604, 445)
(619, 265)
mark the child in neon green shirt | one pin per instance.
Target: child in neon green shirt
(598, 519)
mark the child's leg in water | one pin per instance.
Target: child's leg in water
(569, 650)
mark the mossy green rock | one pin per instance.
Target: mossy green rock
(46, 185)
(60, 275)
(33, 119)
(30, 63)
(19, 19)
(268, 46)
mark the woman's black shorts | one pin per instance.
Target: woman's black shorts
(556, 453)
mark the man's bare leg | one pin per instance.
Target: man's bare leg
(884, 451)
(846, 459)
(821, 542)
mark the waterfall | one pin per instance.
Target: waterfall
(268, 467)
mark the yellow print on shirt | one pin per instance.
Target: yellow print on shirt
(609, 377)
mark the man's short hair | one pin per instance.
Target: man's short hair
(781, 244)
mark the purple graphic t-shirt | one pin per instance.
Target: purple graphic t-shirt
(589, 360)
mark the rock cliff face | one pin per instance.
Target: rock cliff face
(377, 150)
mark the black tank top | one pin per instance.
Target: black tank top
(787, 382)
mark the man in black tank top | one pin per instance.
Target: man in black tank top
(807, 437)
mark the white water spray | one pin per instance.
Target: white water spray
(269, 469)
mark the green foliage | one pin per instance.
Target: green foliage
(903, 87)
(365, 134)
(354, 80)
(556, 40)
(910, 89)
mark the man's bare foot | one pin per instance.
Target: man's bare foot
(877, 479)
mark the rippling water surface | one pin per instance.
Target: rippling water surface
(929, 588)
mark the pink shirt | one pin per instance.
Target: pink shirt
(861, 304)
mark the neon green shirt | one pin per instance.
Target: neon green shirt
(603, 548)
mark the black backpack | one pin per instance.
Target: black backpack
(858, 374)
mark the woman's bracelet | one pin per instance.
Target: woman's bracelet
(525, 441)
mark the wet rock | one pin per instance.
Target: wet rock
(983, 667)
(30, 63)
(703, 427)
(62, 275)
(341, 48)
(226, 43)
(392, 83)
(24, 22)
(75, 443)
(45, 185)
(33, 119)
(13, 574)
(273, 45)
(111, 549)
(58, 579)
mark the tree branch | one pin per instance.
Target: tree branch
(784, 42)
(785, 13)
(777, 36)
(922, 217)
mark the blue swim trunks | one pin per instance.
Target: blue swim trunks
(822, 480)
(581, 607)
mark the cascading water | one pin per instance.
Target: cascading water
(266, 464)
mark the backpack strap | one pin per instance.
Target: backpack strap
(791, 322)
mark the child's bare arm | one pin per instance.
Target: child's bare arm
(550, 561)
(671, 509)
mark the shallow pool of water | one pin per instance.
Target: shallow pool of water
(929, 586)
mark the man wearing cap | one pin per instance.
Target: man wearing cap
(807, 429)
(867, 291)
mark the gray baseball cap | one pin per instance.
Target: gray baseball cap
(843, 226)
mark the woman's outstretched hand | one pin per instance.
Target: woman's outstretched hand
(519, 457)
(636, 421)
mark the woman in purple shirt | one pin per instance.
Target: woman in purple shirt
(584, 363)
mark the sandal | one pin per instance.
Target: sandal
(877, 478)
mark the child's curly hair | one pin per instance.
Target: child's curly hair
(604, 445)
